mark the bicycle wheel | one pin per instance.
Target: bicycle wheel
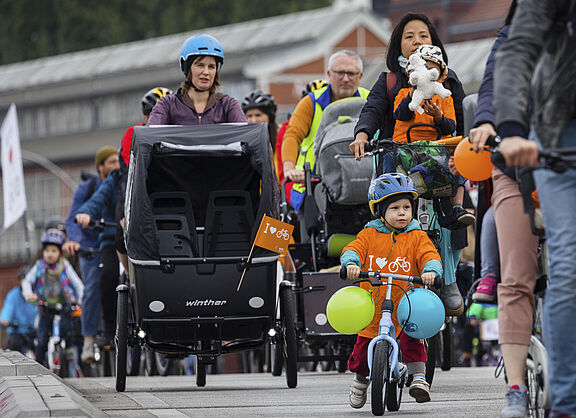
(121, 340)
(200, 373)
(380, 375)
(447, 346)
(431, 355)
(288, 317)
(536, 379)
(164, 365)
(276, 354)
(394, 391)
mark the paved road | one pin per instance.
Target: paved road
(461, 392)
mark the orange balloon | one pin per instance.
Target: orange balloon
(473, 166)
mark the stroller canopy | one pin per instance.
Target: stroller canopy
(197, 160)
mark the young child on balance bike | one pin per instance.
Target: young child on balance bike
(393, 243)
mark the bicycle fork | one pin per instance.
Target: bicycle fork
(387, 332)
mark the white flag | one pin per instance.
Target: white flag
(12, 172)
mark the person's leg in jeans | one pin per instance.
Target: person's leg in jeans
(490, 264)
(108, 282)
(44, 332)
(91, 305)
(557, 193)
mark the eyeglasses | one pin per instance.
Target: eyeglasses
(340, 74)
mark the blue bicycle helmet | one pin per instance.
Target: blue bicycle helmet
(423, 316)
(53, 236)
(200, 45)
(388, 185)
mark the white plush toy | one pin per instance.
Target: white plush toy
(424, 80)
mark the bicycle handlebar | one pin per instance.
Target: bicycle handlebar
(554, 159)
(100, 224)
(375, 278)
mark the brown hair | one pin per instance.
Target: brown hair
(187, 84)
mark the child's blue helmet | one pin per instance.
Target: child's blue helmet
(387, 185)
(197, 45)
(423, 316)
(53, 236)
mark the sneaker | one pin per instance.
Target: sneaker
(358, 394)
(452, 299)
(463, 216)
(87, 355)
(486, 290)
(420, 390)
(516, 402)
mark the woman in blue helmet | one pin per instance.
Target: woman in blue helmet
(196, 102)
(392, 243)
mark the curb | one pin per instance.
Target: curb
(27, 389)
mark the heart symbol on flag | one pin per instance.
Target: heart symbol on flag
(381, 262)
(272, 229)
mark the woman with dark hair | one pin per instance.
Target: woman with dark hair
(410, 33)
(196, 102)
(413, 31)
(259, 107)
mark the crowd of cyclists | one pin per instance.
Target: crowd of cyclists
(508, 247)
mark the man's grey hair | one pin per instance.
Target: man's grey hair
(345, 53)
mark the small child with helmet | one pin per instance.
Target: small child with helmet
(393, 239)
(53, 281)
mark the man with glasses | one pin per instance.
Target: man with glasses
(344, 75)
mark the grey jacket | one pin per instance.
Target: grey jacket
(535, 79)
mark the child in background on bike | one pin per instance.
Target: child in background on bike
(52, 281)
(438, 112)
(393, 243)
(18, 315)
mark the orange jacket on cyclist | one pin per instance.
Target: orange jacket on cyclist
(376, 248)
(404, 118)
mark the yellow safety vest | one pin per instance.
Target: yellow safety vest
(320, 99)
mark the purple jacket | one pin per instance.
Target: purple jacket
(172, 110)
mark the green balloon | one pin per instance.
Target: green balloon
(350, 310)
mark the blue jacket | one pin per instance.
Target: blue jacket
(16, 309)
(102, 205)
(484, 109)
(86, 237)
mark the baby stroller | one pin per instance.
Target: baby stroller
(334, 210)
(194, 201)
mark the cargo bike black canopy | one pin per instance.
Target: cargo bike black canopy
(194, 201)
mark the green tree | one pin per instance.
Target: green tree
(39, 28)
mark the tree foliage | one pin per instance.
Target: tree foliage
(38, 28)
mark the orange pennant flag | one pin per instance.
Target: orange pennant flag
(274, 235)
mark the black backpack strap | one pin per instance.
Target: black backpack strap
(91, 188)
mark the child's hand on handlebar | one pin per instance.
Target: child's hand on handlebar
(352, 271)
(428, 278)
(83, 219)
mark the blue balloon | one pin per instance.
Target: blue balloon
(424, 316)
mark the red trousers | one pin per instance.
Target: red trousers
(411, 348)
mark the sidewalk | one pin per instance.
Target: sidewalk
(28, 389)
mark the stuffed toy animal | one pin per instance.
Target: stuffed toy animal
(424, 80)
